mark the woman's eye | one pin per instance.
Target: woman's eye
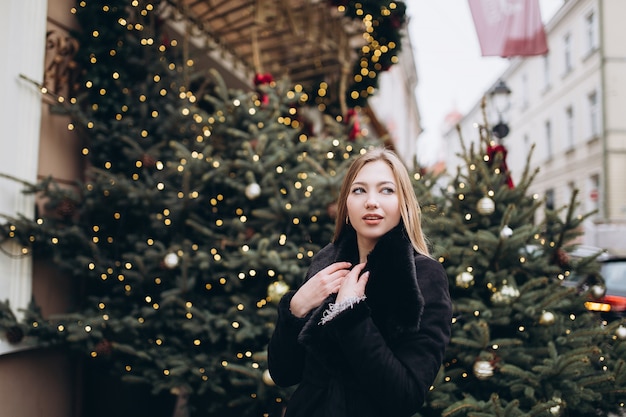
(358, 190)
(388, 190)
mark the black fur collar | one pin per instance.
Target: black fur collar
(393, 294)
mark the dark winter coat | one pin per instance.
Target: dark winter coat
(377, 359)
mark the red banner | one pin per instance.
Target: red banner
(509, 28)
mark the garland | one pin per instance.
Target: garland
(383, 20)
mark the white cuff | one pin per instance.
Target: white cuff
(334, 309)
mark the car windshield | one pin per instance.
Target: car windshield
(614, 274)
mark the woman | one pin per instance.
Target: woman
(366, 332)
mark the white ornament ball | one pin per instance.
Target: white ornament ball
(598, 291)
(171, 260)
(547, 318)
(464, 280)
(506, 232)
(555, 410)
(486, 205)
(620, 332)
(253, 191)
(483, 369)
(506, 295)
(267, 378)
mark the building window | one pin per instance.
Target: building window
(590, 30)
(548, 133)
(594, 114)
(550, 203)
(569, 127)
(546, 71)
(567, 53)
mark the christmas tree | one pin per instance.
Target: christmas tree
(522, 344)
(199, 207)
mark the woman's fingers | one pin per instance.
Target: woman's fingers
(315, 290)
(354, 283)
(362, 282)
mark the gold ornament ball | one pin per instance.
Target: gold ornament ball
(547, 318)
(486, 205)
(267, 378)
(276, 290)
(483, 369)
(464, 280)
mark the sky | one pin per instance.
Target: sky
(452, 74)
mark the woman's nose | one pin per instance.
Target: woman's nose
(371, 203)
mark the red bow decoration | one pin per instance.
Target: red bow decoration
(263, 79)
(352, 118)
(260, 79)
(492, 151)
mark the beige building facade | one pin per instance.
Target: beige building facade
(570, 105)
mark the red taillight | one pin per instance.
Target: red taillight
(617, 303)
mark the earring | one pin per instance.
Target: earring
(347, 220)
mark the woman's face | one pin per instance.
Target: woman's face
(373, 204)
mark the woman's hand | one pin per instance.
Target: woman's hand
(353, 284)
(313, 292)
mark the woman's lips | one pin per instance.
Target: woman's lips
(372, 219)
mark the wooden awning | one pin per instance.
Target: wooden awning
(305, 40)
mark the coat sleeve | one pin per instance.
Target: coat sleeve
(285, 356)
(398, 374)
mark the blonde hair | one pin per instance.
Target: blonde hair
(409, 207)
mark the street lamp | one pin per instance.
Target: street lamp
(501, 99)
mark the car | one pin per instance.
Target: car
(612, 301)
(609, 299)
